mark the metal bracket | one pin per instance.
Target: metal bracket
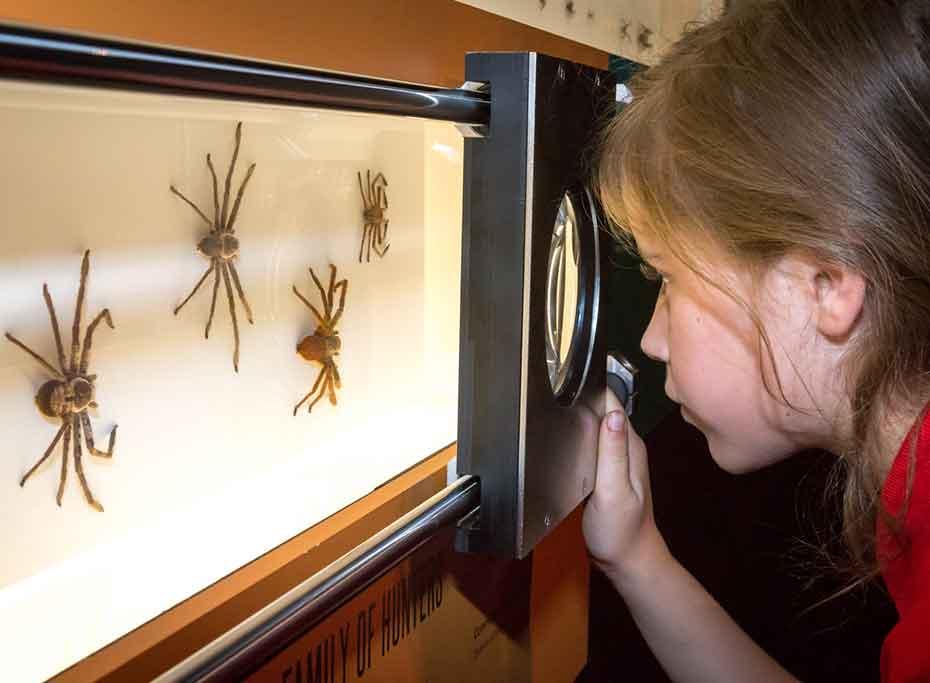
(468, 531)
(621, 380)
(474, 130)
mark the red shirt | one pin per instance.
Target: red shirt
(906, 651)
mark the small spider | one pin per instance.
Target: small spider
(324, 344)
(374, 198)
(625, 29)
(71, 393)
(221, 246)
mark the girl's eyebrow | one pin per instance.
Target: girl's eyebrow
(647, 256)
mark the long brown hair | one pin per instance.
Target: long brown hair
(800, 126)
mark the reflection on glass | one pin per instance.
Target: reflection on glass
(561, 293)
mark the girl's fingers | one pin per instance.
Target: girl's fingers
(639, 464)
(613, 465)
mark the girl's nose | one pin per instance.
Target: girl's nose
(655, 339)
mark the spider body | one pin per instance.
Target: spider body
(221, 246)
(374, 216)
(320, 347)
(62, 398)
(71, 391)
(324, 344)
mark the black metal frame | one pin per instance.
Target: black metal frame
(67, 58)
(533, 455)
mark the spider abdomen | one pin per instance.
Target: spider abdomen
(50, 399)
(318, 348)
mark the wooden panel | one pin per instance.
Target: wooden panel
(422, 41)
(559, 604)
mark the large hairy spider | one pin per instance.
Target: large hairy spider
(221, 246)
(375, 232)
(71, 393)
(323, 345)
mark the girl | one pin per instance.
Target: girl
(774, 171)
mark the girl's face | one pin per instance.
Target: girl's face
(715, 359)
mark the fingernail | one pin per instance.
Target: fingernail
(615, 421)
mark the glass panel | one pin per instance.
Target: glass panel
(211, 467)
(561, 293)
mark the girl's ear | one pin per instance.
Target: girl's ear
(839, 297)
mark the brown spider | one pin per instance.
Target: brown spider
(323, 345)
(221, 246)
(71, 393)
(375, 232)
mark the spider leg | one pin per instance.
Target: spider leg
(361, 248)
(89, 337)
(382, 245)
(371, 239)
(361, 190)
(216, 286)
(336, 377)
(323, 373)
(380, 177)
(232, 314)
(79, 467)
(316, 385)
(229, 173)
(89, 438)
(196, 287)
(245, 302)
(344, 284)
(78, 312)
(193, 206)
(319, 317)
(382, 195)
(56, 330)
(64, 463)
(327, 302)
(216, 195)
(228, 227)
(45, 364)
(48, 452)
(331, 291)
(329, 386)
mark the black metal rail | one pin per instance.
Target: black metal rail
(67, 58)
(237, 653)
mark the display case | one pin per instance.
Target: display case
(232, 309)
(213, 463)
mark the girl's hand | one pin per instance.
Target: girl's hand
(619, 528)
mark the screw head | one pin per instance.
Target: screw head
(561, 72)
(547, 520)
